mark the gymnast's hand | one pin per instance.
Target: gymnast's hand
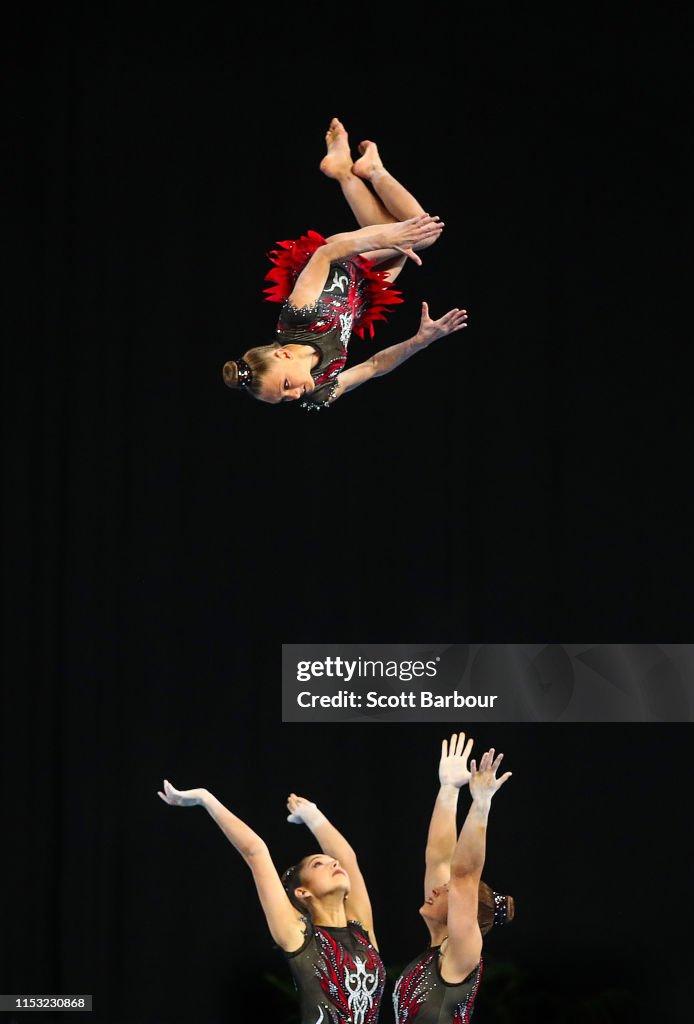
(483, 780)
(302, 811)
(181, 797)
(408, 235)
(430, 330)
(453, 769)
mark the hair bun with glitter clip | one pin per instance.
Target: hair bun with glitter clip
(237, 374)
(244, 374)
(493, 908)
(504, 908)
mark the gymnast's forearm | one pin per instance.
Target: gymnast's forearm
(331, 841)
(351, 243)
(442, 835)
(469, 853)
(241, 837)
(405, 235)
(389, 358)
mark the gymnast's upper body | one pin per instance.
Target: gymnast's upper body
(318, 912)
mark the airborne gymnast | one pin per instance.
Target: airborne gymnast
(332, 287)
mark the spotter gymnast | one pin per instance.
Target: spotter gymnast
(440, 985)
(318, 913)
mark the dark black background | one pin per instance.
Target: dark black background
(525, 480)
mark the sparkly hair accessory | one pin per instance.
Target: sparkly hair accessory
(500, 908)
(245, 374)
(288, 876)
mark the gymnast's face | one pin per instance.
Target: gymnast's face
(322, 875)
(435, 906)
(288, 377)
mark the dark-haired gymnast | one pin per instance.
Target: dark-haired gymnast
(330, 288)
(318, 913)
(440, 985)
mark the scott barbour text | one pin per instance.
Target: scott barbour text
(405, 699)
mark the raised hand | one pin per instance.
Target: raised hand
(408, 235)
(483, 780)
(302, 811)
(430, 330)
(453, 767)
(181, 797)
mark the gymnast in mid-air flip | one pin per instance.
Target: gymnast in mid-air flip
(331, 287)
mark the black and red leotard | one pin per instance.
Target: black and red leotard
(421, 996)
(354, 297)
(338, 974)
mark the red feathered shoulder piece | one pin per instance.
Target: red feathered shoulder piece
(374, 296)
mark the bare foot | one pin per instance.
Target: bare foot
(369, 162)
(338, 160)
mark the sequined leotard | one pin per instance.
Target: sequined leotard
(423, 997)
(354, 296)
(338, 974)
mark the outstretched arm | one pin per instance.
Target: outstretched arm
(389, 358)
(402, 236)
(464, 936)
(282, 918)
(441, 839)
(334, 844)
